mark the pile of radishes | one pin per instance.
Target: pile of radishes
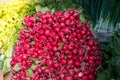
(55, 47)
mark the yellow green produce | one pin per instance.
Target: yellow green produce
(12, 13)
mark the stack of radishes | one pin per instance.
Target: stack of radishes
(55, 47)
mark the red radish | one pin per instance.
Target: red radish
(55, 47)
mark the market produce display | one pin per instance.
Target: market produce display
(12, 13)
(11, 16)
(55, 47)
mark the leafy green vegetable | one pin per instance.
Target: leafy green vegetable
(30, 72)
(103, 14)
(11, 21)
(111, 58)
(35, 60)
(6, 65)
(61, 46)
(44, 67)
(16, 68)
(33, 67)
(26, 30)
(32, 42)
(103, 76)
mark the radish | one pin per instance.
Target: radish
(55, 47)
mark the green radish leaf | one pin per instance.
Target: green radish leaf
(28, 59)
(83, 64)
(44, 67)
(61, 46)
(33, 66)
(26, 30)
(16, 68)
(30, 72)
(32, 42)
(35, 60)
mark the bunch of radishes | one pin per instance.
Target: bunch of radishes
(55, 47)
